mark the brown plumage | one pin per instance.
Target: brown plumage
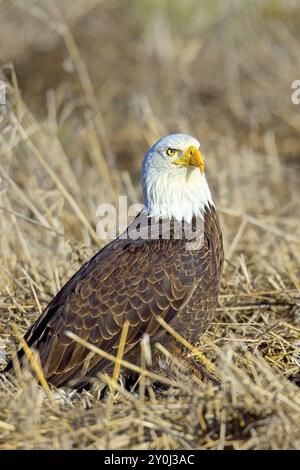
(133, 280)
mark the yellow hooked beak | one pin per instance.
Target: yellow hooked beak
(192, 157)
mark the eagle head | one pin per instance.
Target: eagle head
(173, 178)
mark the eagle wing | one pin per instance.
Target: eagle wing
(127, 280)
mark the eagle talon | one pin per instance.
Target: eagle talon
(199, 369)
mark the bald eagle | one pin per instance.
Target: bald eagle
(168, 263)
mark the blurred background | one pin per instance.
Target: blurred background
(95, 83)
(90, 85)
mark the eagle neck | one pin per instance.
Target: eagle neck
(181, 195)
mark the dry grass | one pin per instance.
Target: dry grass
(93, 83)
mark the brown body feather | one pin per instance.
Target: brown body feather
(133, 280)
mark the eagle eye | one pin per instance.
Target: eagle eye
(171, 152)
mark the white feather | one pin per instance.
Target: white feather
(171, 190)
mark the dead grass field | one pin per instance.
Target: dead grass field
(90, 85)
